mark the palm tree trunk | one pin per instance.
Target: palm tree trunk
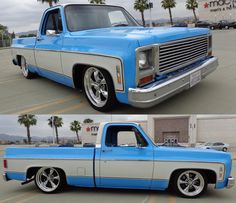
(195, 16)
(28, 135)
(57, 135)
(171, 20)
(142, 14)
(50, 3)
(77, 136)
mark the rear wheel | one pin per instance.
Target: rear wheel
(49, 180)
(25, 69)
(99, 89)
(190, 183)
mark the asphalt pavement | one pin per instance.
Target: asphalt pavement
(14, 192)
(215, 94)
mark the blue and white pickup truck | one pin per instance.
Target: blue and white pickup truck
(104, 51)
(124, 157)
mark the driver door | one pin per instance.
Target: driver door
(126, 159)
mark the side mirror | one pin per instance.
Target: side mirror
(51, 32)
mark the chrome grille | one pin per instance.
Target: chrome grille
(177, 54)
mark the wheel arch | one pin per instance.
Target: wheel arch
(209, 174)
(78, 71)
(32, 170)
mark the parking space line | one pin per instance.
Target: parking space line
(42, 106)
(77, 106)
(13, 197)
(11, 80)
(172, 199)
(27, 199)
(151, 199)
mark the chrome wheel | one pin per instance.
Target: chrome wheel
(47, 179)
(190, 183)
(24, 67)
(96, 87)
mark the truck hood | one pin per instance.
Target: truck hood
(144, 36)
(191, 154)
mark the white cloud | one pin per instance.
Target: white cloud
(25, 15)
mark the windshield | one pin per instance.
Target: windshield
(85, 17)
(208, 144)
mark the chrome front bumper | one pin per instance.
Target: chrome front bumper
(230, 182)
(4, 176)
(144, 98)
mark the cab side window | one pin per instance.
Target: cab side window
(53, 22)
(124, 136)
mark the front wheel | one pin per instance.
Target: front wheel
(49, 180)
(99, 89)
(190, 183)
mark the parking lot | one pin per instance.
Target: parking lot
(12, 191)
(215, 94)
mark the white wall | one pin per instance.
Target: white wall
(217, 10)
(217, 129)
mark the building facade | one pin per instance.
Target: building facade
(215, 10)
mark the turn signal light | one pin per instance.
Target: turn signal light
(145, 80)
(5, 163)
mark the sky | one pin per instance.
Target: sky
(24, 15)
(10, 126)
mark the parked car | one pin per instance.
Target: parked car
(180, 25)
(112, 57)
(207, 24)
(220, 146)
(225, 24)
(112, 164)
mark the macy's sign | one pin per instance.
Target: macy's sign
(220, 3)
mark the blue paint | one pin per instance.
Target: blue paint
(57, 77)
(16, 176)
(80, 181)
(149, 153)
(119, 42)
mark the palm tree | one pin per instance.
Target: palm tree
(192, 5)
(50, 2)
(169, 4)
(75, 126)
(141, 6)
(88, 120)
(97, 1)
(55, 122)
(27, 120)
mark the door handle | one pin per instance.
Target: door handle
(39, 39)
(106, 150)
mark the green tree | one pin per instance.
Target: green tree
(55, 122)
(50, 2)
(141, 6)
(27, 120)
(168, 4)
(192, 5)
(75, 126)
(97, 1)
(88, 120)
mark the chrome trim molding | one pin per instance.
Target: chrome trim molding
(144, 98)
(230, 182)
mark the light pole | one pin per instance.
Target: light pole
(150, 5)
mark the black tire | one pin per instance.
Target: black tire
(175, 185)
(111, 96)
(59, 186)
(224, 149)
(25, 70)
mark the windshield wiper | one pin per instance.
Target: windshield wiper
(119, 24)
